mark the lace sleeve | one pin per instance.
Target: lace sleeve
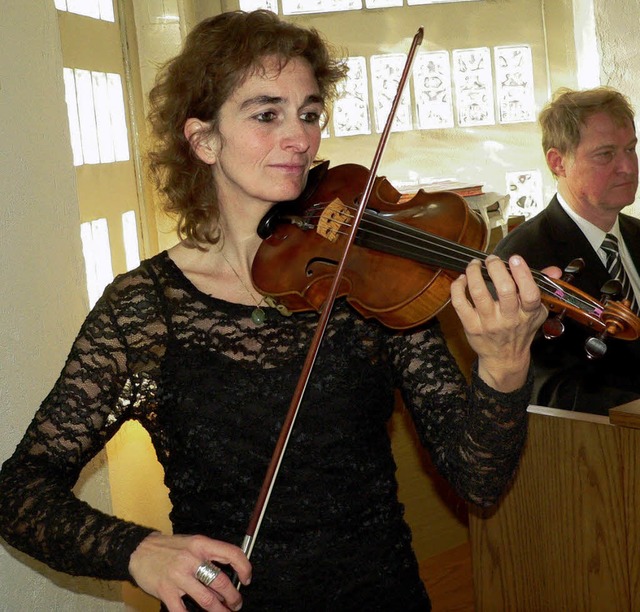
(473, 433)
(39, 514)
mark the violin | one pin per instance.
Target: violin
(404, 258)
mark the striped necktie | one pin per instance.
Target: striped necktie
(616, 269)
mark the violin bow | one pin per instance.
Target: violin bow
(285, 433)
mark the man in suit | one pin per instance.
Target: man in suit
(589, 140)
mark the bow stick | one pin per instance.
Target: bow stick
(287, 427)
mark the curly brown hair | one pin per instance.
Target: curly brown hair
(562, 118)
(217, 55)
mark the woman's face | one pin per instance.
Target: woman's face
(268, 135)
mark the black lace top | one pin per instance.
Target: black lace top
(211, 388)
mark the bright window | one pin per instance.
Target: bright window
(130, 234)
(525, 189)
(386, 71)
(299, 7)
(96, 9)
(432, 88)
(97, 123)
(254, 5)
(514, 84)
(448, 88)
(97, 257)
(351, 109)
(372, 4)
(418, 2)
(473, 81)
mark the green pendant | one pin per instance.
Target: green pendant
(258, 316)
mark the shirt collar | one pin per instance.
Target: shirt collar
(593, 234)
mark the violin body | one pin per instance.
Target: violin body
(306, 239)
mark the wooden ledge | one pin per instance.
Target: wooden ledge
(626, 415)
(448, 577)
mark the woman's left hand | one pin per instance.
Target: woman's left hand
(500, 330)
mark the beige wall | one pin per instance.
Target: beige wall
(42, 280)
(43, 299)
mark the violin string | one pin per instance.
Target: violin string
(391, 236)
(461, 255)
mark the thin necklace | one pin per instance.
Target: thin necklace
(258, 315)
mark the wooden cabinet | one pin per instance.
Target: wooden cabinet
(567, 534)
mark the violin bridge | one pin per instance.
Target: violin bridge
(333, 218)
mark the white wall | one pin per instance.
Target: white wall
(617, 32)
(42, 294)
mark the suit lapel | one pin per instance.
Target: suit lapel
(630, 230)
(572, 243)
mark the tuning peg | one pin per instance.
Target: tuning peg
(553, 327)
(611, 290)
(596, 346)
(573, 269)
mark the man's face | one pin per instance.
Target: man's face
(600, 178)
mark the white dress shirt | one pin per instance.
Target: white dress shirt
(595, 236)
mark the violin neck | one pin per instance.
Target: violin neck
(395, 238)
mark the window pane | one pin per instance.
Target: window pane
(89, 8)
(432, 87)
(97, 257)
(106, 10)
(386, 71)
(97, 9)
(514, 84)
(297, 7)
(525, 191)
(351, 108)
(103, 121)
(97, 120)
(254, 5)
(417, 2)
(88, 128)
(130, 233)
(371, 4)
(474, 86)
(72, 112)
(117, 117)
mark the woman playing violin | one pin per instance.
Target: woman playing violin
(186, 346)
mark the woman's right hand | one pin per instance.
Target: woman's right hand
(165, 567)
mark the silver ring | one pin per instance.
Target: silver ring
(207, 573)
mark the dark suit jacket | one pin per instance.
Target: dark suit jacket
(565, 377)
